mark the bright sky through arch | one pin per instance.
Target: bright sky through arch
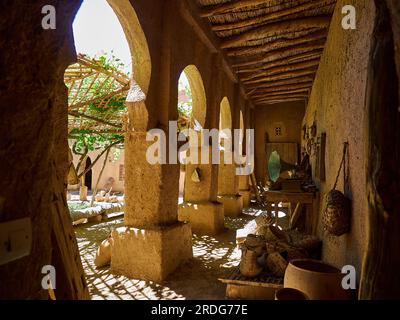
(97, 30)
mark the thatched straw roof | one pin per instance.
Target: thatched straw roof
(274, 46)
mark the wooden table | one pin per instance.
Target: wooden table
(309, 199)
(262, 287)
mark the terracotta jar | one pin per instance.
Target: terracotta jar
(290, 294)
(249, 266)
(318, 280)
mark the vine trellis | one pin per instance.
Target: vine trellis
(97, 95)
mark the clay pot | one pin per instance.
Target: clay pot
(249, 266)
(103, 254)
(290, 294)
(255, 243)
(318, 280)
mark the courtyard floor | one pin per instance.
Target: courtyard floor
(213, 257)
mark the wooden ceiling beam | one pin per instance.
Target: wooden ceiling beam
(281, 54)
(277, 28)
(289, 96)
(229, 6)
(282, 69)
(286, 61)
(279, 44)
(191, 13)
(276, 101)
(281, 88)
(287, 75)
(281, 93)
(272, 15)
(297, 80)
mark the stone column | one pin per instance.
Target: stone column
(152, 244)
(200, 206)
(244, 190)
(228, 188)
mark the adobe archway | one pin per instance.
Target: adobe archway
(200, 205)
(228, 181)
(244, 186)
(199, 100)
(151, 224)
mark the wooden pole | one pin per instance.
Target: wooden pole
(99, 177)
(98, 157)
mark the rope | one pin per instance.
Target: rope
(342, 165)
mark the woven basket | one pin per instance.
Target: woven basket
(336, 217)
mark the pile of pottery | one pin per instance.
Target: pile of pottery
(289, 254)
(272, 252)
(102, 196)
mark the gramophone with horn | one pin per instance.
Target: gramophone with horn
(276, 169)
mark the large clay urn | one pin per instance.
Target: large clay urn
(318, 280)
(290, 294)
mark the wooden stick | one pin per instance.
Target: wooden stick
(78, 114)
(99, 177)
(296, 215)
(99, 98)
(98, 157)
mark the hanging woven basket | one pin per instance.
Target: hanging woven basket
(337, 215)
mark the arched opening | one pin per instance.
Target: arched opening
(225, 117)
(98, 86)
(225, 123)
(89, 174)
(228, 183)
(191, 109)
(110, 78)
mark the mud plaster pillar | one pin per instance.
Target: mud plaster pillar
(152, 243)
(200, 205)
(244, 190)
(228, 188)
(228, 181)
(244, 181)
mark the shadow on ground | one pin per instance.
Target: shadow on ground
(213, 257)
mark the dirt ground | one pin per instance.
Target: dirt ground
(213, 257)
